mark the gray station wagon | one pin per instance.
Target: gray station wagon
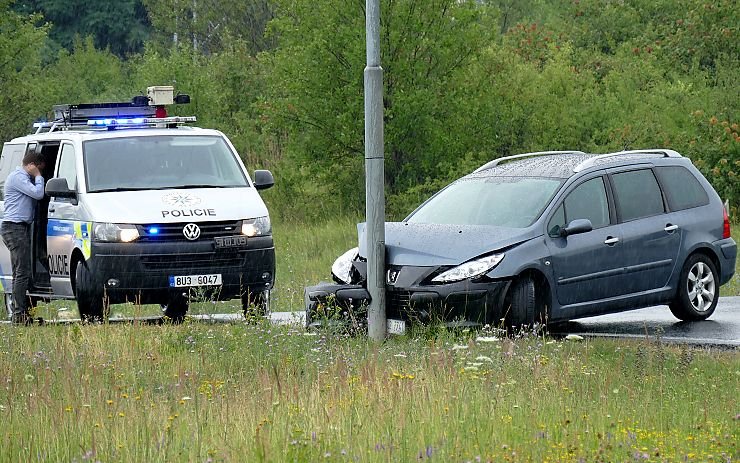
(551, 236)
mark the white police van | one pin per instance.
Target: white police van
(141, 208)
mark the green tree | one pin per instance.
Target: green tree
(20, 61)
(121, 26)
(210, 26)
(315, 94)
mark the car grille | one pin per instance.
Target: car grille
(191, 261)
(397, 301)
(169, 232)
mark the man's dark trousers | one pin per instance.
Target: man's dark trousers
(17, 238)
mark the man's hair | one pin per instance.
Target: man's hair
(32, 157)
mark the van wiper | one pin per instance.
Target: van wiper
(189, 186)
(108, 190)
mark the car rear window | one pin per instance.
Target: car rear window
(638, 194)
(682, 189)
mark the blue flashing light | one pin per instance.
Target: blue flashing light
(153, 230)
(113, 122)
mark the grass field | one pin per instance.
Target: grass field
(210, 393)
(240, 392)
(304, 257)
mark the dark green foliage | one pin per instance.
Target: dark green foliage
(465, 82)
(122, 26)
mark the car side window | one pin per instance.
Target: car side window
(637, 194)
(67, 167)
(682, 189)
(588, 201)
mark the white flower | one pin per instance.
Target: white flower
(487, 339)
(187, 398)
(475, 364)
(483, 358)
(574, 337)
(459, 347)
(471, 368)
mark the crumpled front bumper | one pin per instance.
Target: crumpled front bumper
(474, 302)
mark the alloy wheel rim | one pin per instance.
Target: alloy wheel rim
(701, 287)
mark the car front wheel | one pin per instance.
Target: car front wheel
(698, 291)
(526, 305)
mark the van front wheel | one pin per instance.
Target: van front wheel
(256, 304)
(90, 301)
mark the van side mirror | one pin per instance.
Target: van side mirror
(263, 179)
(576, 226)
(58, 187)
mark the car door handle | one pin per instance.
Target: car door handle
(52, 209)
(670, 228)
(611, 240)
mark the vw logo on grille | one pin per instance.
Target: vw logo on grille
(392, 276)
(191, 231)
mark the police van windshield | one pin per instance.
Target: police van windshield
(161, 162)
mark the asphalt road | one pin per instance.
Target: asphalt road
(722, 328)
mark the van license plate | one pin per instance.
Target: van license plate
(230, 241)
(195, 280)
(396, 326)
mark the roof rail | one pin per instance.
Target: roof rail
(498, 161)
(590, 162)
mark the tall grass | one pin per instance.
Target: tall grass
(199, 392)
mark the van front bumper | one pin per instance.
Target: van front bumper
(142, 271)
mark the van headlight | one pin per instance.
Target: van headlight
(342, 267)
(256, 227)
(115, 232)
(470, 269)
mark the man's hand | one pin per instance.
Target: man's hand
(33, 169)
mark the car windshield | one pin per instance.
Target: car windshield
(161, 162)
(499, 201)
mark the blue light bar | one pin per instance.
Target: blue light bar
(139, 121)
(153, 231)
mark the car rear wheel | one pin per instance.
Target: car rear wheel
(90, 301)
(176, 308)
(698, 291)
(526, 304)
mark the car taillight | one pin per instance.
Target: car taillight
(726, 228)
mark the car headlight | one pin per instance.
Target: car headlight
(471, 269)
(115, 232)
(342, 267)
(256, 227)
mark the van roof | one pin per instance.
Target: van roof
(84, 135)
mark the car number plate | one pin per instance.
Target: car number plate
(396, 326)
(179, 281)
(230, 241)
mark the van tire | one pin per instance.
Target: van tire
(89, 296)
(698, 290)
(176, 308)
(256, 304)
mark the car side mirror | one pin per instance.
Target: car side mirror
(263, 179)
(58, 187)
(576, 226)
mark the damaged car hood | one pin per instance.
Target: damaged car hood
(427, 245)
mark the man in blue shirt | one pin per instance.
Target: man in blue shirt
(23, 188)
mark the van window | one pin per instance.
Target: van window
(161, 162)
(67, 167)
(11, 158)
(637, 194)
(682, 189)
(588, 201)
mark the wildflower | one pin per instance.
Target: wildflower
(121, 414)
(68, 408)
(483, 358)
(109, 402)
(574, 337)
(459, 347)
(487, 339)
